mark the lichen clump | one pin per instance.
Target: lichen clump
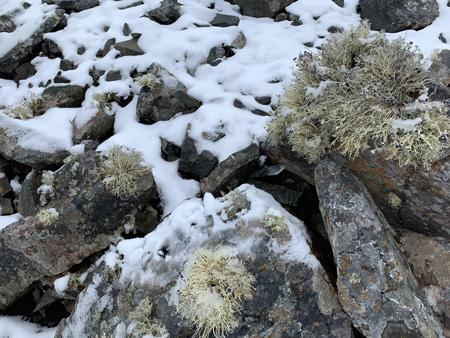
(26, 110)
(104, 101)
(145, 322)
(275, 223)
(148, 80)
(351, 96)
(394, 201)
(216, 284)
(47, 216)
(120, 171)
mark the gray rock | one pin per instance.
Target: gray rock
(28, 204)
(165, 98)
(239, 42)
(264, 100)
(6, 207)
(24, 48)
(51, 49)
(398, 15)
(429, 258)
(284, 195)
(440, 68)
(61, 79)
(105, 50)
(167, 13)
(113, 75)
(4, 185)
(6, 24)
(192, 164)
(232, 171)
(225, 20)
(375, 284)
(24, 71)
(88, 217)
(216, 55)
(98, 128)
(74, 5)
(262, 8)
(291, 298)
(169, 151)
(68, 96)
(129, 47)
(340, 3)
(67, 65)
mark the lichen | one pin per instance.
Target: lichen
(121, 169)
(104, 101)
(47, 216)
(274, 223)
(26, 110)
(145, 322)
(216, 284)
(148, 80)
(46, 190)
(236, 203)
(370, 83)
(394, 201)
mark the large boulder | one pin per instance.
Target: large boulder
(84, 207)
(398, 15)
(162, 96)
(25, 46)
(375, 284)
(262, 8)
(266, 282)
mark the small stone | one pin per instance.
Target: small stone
(340, 3)
(96, 74)
(169, 151)
(239, 42)
(81, 50)
(309, 44)
(281, 17)
(105, 50)
(51, 49)
(6, 24)
(76, 5)
(113, 75)
(334, 29)
(67, 65)
(264, 100)
(262, 8)
(126, 29)
(6, 206)
(284, 195)
(442, 38)
(129, 47)
(4, 185)
(98, 128)
(224, 20)
(60, 79)
(167, 13)
(215, 56)
(238, 104)
(260, 112)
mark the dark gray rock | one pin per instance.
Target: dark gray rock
(6, 24)
(292, 298)
(6, 206)
(169, 151)
(216, 55)
(74, 5)
(67, 65)
(24, 71)
(193, 165)
(68, 96)
(440, 68)
(113, 75)
(375, 284)
(225, 20)
(51, 49)
(98, 128)
(105, 50)
(232, 171)
(85, 218)
(4, 185)
(167, 13)
(129, 47)
(60, 79)
(398, 15)
(284, 195)
(24, 48)
(340, 3)
(165, 98)
(262, 8)
(264, 100)
(28, 204)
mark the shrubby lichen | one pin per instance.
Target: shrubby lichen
(145, 322)
(394, 201)
(104, 101)
(148, 80)
(216, 283)
(26, 110)
(347, 96)
(47, 216)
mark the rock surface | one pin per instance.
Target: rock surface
(262, 8)
(375, 284)
(129, 47)
(97, 128)
(440, 68)
(66, 96)
(224, 20)
(398, 15)
(165, 98)
(74, 5)
(82, 217)
(167, 13)
(292, 295)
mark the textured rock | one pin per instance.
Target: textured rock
(67, 96)
(440, 68)
(4, 185)
(6, 207)
(98, 128)
(375, 284)
(28, 204)
(262, 8)
(24, 71)
(292, 294)
(88, 217)
(224, 20)
(165, 98)
(16, 56)
(167, 13)
(216, 55)
(397, 15)
(129, 47)
(108, 45)
(76, 5)
(232, 171)
(6, 24)
(169, 151)
(284, 195)
(429, 258)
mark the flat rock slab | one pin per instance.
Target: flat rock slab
(262, 8)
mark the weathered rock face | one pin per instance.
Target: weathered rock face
(97, 128)
(129, 47)
(165, 98)
(67, 96)
(397, 15)
(224, 20)
(375, 284)
(262, 8)
(429, 258)
(6, 24)
(82, 217)
(16, 56)
(167, 13)
(292, 295)
(440, 68)
(74, 5)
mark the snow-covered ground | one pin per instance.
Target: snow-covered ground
(262, 68)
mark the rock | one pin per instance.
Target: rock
(6, 207)
(61, 79)
(108, 45)
(262, 8)
(98, 128)
(24, 48)
(167, 13)
(340, 3)
(429, 258)
(4, 185)
(440, 68)
(281, 17)
(51, 49)
(164, 98)
(82, 217)
(113, 75)
(76, 5)
(398, 15)
(216, 55)
(375, 284)
(6, 24)
(28, 204)
(129, 47)
(239, 42)
(68, 96)
(224, 20)
(11, 136)
(292, 296)
(193, 165)
(232, 171)
(67, 65)
(169, 151)
(264, 100)
(126, 30)
(24, 71)
(284, 195)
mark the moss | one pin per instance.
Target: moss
(394, 201)
(47, 216)
(216, 284)
(347, 97)
(145, 322)
(120, 171)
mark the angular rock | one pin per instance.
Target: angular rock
(262, 8)
(282, 194)
(98, 128)
(24, 48)
(82, 218)
(193, 165)
(108, 45)
(440, 68)
(6, 207)
(68, 96)
(76, 5)
(165, 98)
(215, 56)
(375, 284)
(169, 151)
(429, 258)
(67, 65)
(398, 15)
(232, 171)
(239, 42)
(24, 71)
(167, 13)
(113, 75)
(129, 47)
(28, 204)
(4, 185)
(224, 20)
(292, 295)
(6, 24)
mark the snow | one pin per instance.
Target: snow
(7, 220)
(406, 125)
(61, 284)
(14, 327)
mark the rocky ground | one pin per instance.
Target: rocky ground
(140, 195)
